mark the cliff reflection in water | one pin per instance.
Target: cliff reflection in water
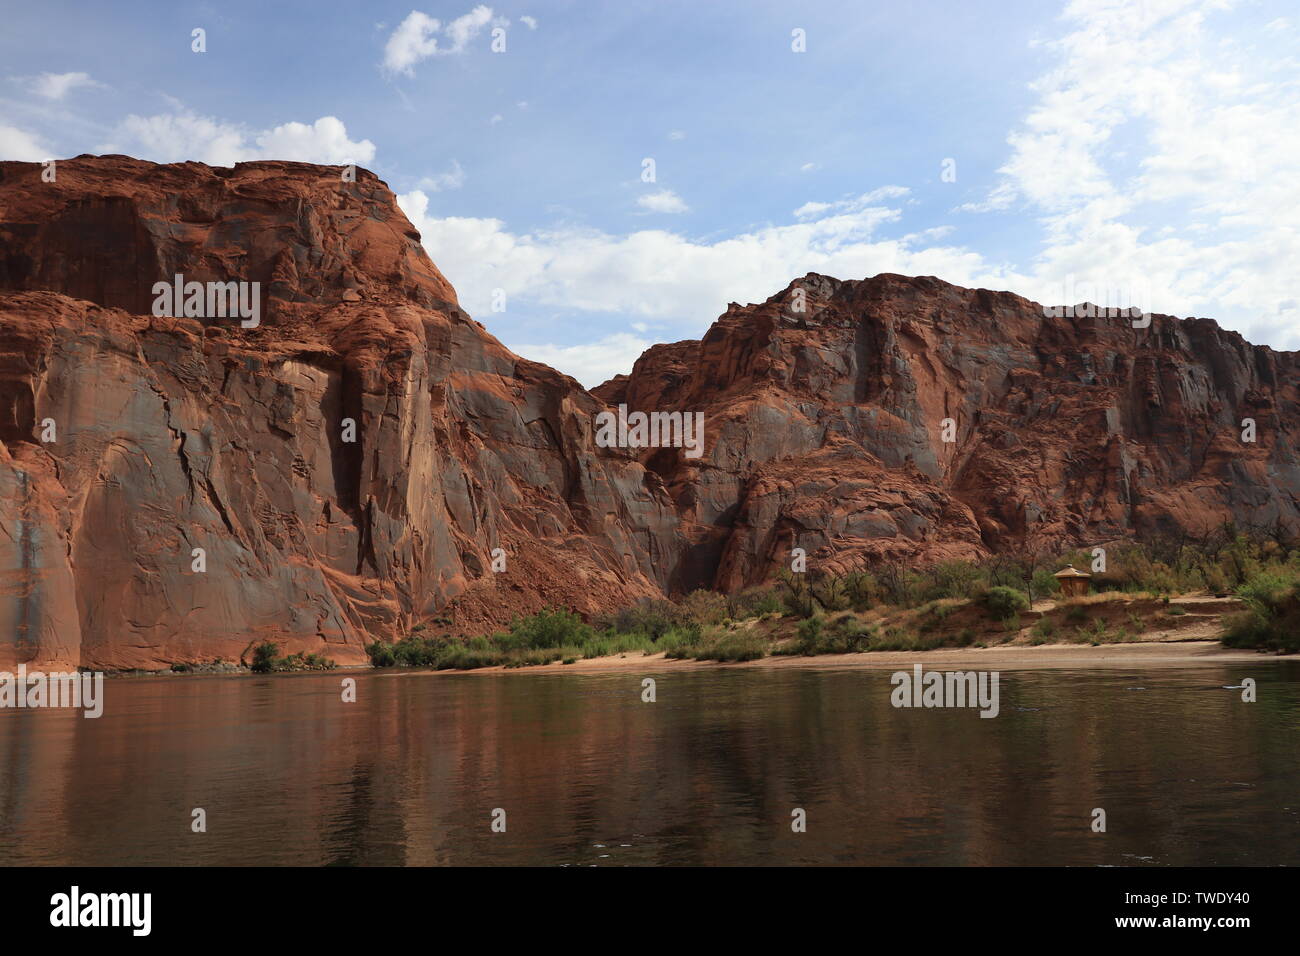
(709, 774)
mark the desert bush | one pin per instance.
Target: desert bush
(1004, 603)
(381, 654)
(705, 607)
(265, 657)
(1272, 617)
(652, 617)
(953, 579)
(550, 627)
(1044, 583)
(796, 593)
(266, 660)
(753, 602)
(734, 647)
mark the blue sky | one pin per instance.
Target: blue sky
(1141, 152)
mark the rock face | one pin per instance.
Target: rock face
(178, 489)
(826, 408)
(171, 434)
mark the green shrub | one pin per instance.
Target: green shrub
(679, 641)
(705, 607)
(953, 579)
(265, 657)
(413, 651)
(753, 602)
(381, 654)
(1272, 619)
(550, 627)
(810, 629)
(734, 647)
(1044, 583)
(1004, 603)
(464, 657)
(266, 660)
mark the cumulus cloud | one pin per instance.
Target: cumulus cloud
(674, 282)
(530, 22)
(453, 178)
(659, 274)
(325, 141)
(20, 146)
(416, 38)
(590, 363)
(180, 136)
(815, 210)
(55, 86)
(1210, 131)
(810, 210)
(663, 201)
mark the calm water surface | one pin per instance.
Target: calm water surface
(589, 774)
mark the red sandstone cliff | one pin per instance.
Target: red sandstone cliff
(825, 428)
(175, 433)
(822, 429)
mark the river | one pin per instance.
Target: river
(712, 772)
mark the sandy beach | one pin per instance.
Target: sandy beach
(1146, 654)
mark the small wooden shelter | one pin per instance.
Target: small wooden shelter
(1073, 583)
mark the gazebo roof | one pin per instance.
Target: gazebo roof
(1070, 572)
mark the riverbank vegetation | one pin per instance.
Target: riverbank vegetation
(1163, 589)
(267, 660)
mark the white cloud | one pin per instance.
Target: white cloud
(416, 38)
(20, 146)
(55, 86)
(467, 27)
(807, 167)
(496, 118)
(662, 275)
(412, 41)
(1187, 124)
(180, 136)
(815, 210)
(530, 22)
(590, 363)
(810, 209)
(665, 201)
(677, 134)
(176, 137)
(325, 141)
(453, 178)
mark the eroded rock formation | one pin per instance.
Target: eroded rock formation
(172, 434)
(129, 440)
(826, 406)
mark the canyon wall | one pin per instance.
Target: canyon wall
(172, 434)
(129, 440)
